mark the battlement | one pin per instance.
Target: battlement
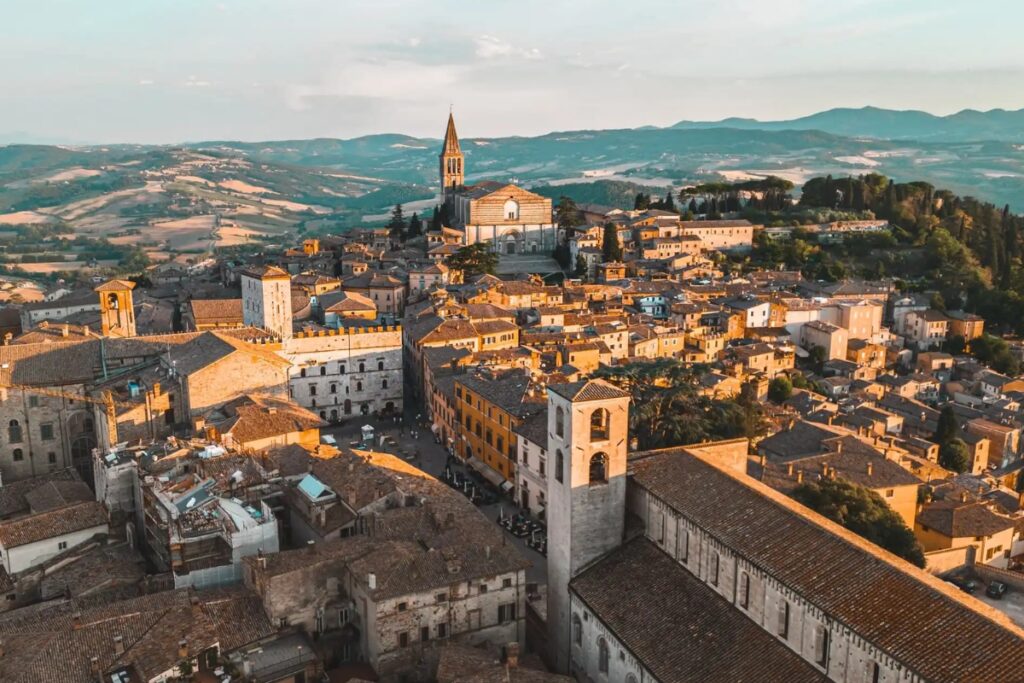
(348, 331)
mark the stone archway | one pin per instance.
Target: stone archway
(82, 437)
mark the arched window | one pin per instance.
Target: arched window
(602, 655)
(599, 425)
(577, 630)
(599, 469)
(559, 466)
(341, 368)
(302, 372)
(323, 370)
(511, 210)
(14, 432)
(359, 386)
(334, 388)
(630, 678)
(18, 455)
(362, 367)
(559, 422)
(380, 365)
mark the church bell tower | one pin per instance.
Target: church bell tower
(117, 313)
(452, 160)
(588, 425)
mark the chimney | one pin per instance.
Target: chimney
(789, 470)
(118, 645)
(963, 496)
(871, 468)
(76, 620)
(311, 546)
(799, 476)
(183, 648)
(94, 666)
(7, 338)
(371, 581)
(824, 468)
(65, 330)
(85, 330)
(839, 447)
(512, 655)
(487, 551)
(832, 474)
(764, 460)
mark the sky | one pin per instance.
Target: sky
(166, 71)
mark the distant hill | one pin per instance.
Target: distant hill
(968, 125)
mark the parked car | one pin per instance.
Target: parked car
(996, 589)
(966, 585)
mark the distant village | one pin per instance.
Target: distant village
(374, 457)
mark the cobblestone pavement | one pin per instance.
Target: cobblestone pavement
(422, 451)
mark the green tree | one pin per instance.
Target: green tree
(415, 226)
(642, 202)
(611, 250)
(567, 214)
(948, 426)
(396, 226)
(955, 456)
(581, 267)
(863, 512)
(475, 259)
(780, 389)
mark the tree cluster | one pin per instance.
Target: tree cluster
(863, 512)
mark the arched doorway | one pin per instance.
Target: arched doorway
(510, 247)
(82, 436)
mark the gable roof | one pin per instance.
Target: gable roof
(677, 626)
(588, 390)
(897, 607)
(58, 522)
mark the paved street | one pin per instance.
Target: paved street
(431, 459)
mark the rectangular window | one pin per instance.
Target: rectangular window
(821, 646)
(51, 457)
(783, 625)
(403, 639)
(483, 588)
(744, 590)
(876, 672)
(62, 545)
(442, 597)
(46, 431)
(312, 390)
(402, 607)
(442, 630)
(713, 569)
(684, 545)
(33, 401)
(424, 633)
(506, 613)
(506, 583)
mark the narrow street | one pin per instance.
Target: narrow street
(431, 459)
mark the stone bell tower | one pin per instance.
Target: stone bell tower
(588, 425)
(117, 312)
(452, 160)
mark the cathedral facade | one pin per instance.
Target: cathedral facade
(512, 220)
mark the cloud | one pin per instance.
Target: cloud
(194, 82)
(490, 47)
(414, 42)
(376, 79)
(146, 81)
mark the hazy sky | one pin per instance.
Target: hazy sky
(176, 70)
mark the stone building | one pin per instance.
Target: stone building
(512, 220)
(422, 567)
(355, 370)
(267, 300)
(722, 578)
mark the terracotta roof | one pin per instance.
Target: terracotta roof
(265, 272)
(115, 286)
(897, 607)
(588, 390)
(677, 626)
(253, 418)
(955, 519)
(64, 520)
(212, 311)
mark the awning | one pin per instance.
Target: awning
(489, 473)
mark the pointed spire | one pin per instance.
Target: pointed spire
(451, 138)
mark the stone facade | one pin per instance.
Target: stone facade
(267, 300)
(587, 421)
(345, 372)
